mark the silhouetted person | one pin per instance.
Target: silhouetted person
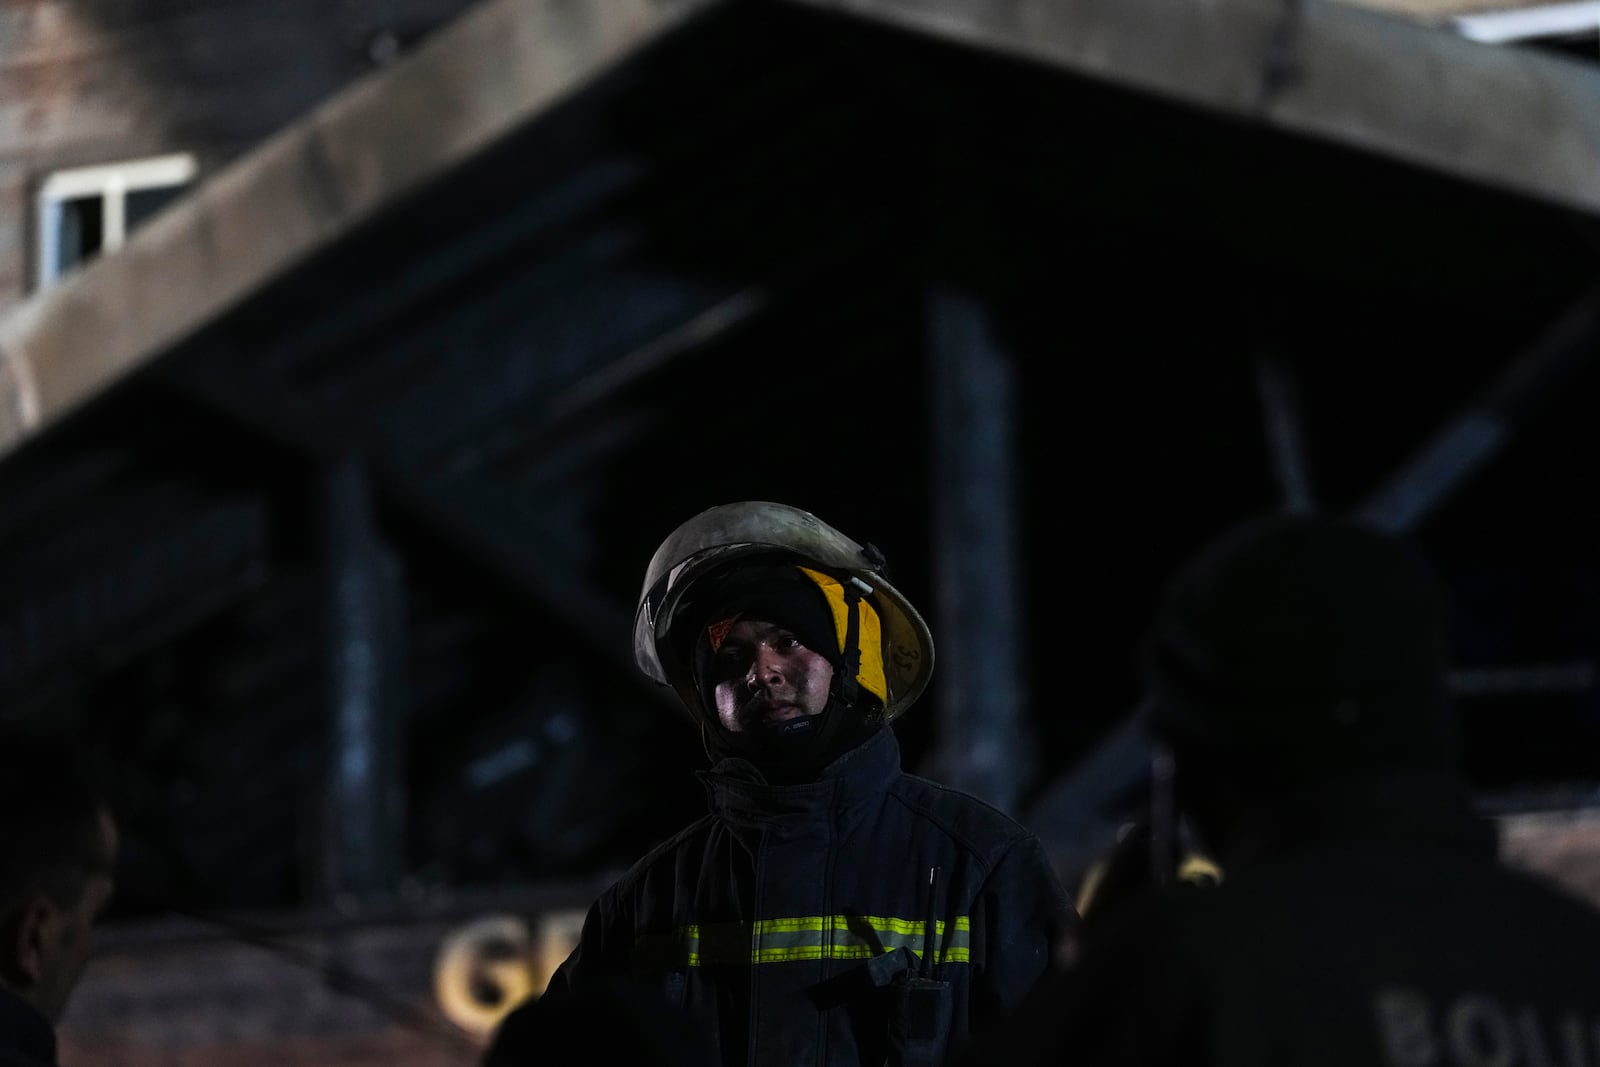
(830, 909)
(1296, 684)
(58, 847)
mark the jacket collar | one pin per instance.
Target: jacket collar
(24, 1031)
(738, 792)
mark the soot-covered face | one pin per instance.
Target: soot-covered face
(764, 677)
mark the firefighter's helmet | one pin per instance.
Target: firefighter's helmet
(759, 531)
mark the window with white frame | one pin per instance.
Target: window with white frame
(89, 210)
(1572, 27)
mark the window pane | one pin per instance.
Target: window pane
(142, 203)
(80, 234)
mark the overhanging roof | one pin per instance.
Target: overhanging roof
(496, 68)
(1524, 123)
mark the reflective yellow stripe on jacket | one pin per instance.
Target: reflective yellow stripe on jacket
(810, 937)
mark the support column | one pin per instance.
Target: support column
(360, 842)
(978, 628)
(1280, 411)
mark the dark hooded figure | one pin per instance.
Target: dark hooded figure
(1296, 690)
(829, 908)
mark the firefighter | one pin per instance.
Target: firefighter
(829, 908)
(1296, 678)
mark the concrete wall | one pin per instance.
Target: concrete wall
(422, 986)
(1563, 846)
(86, 82)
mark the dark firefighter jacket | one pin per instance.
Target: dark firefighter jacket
(26, 1037)
(870, 917)
(1369, 924)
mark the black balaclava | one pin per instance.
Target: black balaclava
(785, 596)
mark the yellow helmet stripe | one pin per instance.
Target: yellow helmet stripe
(870, 674)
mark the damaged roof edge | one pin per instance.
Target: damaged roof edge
(1512, 119)
(476, 80)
